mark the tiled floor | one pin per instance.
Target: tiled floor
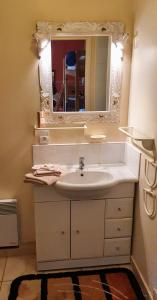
(12, 267)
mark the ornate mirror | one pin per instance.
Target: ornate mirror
(80, 66)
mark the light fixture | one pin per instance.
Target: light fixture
(43, 43)
(40, 44)
(117, 54)
(120, 45)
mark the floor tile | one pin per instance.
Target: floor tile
(2, 266)
(18, 266)
(4, 291)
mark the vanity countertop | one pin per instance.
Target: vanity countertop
(120, 171)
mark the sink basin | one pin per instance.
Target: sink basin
(74, 180)
(91, 182)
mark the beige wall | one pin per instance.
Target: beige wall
(143, 115)
(19, 85)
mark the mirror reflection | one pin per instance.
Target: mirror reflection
(81, 74)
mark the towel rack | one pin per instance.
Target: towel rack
(152, 184)
(145, 143)
(150, 212)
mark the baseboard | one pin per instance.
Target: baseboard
(141, 280)
(23, 249)
(82, 263)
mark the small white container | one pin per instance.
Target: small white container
(97, 138)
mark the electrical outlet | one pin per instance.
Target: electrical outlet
(43, 140)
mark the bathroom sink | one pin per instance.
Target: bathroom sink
(86, 184)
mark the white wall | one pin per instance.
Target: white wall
(143, 115)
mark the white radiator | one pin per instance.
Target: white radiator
(8, 223)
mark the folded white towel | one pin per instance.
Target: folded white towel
(45, 174)
(47, 167)
(48, 180)
(41, 172)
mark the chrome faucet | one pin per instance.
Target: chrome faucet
(81, 163)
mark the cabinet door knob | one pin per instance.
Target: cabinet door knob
(118, 229)
(119, 209)
(77, 231)
(63, 232)
(117, 248)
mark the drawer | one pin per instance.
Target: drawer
(119, 208)
(116, 247)
(118, 228)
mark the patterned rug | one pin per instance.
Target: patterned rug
(107, 284)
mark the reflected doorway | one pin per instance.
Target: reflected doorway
(68, 75)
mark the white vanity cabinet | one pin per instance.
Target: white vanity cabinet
(87, 228)
(78, 233)
(86, 221)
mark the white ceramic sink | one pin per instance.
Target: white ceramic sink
(75, 184)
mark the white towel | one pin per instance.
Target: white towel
(45, 174)
(41, 172)
(47, 167)
(48, 180)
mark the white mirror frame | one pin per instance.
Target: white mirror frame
(45, 32)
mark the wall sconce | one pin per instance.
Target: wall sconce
(43, 43)
(121, 44)
(40, 44)
(117, 55)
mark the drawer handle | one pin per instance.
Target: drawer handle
(77, 231)
(119, 209)
(117, 248)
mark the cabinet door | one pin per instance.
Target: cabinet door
(52, 230)
(87, 228)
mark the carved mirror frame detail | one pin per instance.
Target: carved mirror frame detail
(45, 31)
